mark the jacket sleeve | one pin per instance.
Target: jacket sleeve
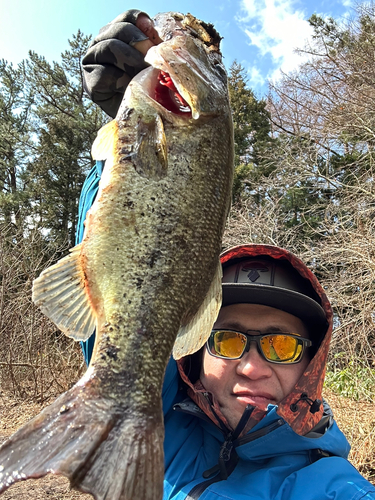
(170, 386)
(88, 194)
(336, 478)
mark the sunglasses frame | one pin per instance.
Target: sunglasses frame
(257, 338)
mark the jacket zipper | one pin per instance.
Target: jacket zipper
(198, 489)
(260, 433)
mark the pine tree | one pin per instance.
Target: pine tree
(67, 123)
(16, 146)
(251, 132)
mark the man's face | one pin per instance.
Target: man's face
(251, 379)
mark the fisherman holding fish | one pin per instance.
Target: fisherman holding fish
(237, 411)
(244, 416)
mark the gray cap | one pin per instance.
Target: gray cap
(275, 283)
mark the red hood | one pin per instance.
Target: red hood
(302, 420)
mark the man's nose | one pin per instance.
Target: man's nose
(252, 364)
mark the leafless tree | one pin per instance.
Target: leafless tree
(36, 360)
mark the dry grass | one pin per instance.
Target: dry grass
(357, 421)
(50, 487)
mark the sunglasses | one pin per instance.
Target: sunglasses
(280, 348)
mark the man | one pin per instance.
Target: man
(244, 417)
(259, 381)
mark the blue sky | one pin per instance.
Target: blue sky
(261, 34)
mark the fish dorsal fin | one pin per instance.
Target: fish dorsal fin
(104, 142)
(192, 336)
(61, 295)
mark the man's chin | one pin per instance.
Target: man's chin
(234, 412)
(257, 401)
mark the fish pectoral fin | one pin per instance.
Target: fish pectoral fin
(61, 295)
(192, 336)
(104, 143)
(150, 158)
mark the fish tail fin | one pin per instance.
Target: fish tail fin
(101, 448)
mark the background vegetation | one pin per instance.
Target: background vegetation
(304, 180)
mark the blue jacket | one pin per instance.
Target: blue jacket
(271, 461)
(87, 198)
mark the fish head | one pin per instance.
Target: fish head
(186, 76)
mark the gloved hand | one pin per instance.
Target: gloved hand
(115, 56)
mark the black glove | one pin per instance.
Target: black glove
(111, 61)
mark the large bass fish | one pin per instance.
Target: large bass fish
(147, 274)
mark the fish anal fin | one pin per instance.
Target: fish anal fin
(193, 335)
(150, 157)
(104, 144)
(95, 444)
(62, 295)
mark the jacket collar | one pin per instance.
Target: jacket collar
(209, 405)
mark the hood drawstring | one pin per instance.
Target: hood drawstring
(228, 457)
(314, 405)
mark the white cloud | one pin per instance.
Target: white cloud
(255, 77)
(276, 28)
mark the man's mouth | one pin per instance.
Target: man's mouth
(168, 96)
(262, 400)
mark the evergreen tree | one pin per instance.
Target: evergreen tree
(251, 132)
(16, 147)
(67, 123)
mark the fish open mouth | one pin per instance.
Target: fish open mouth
(168, 96)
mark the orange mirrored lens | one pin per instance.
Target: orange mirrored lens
(281, 348)
(229, 344)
